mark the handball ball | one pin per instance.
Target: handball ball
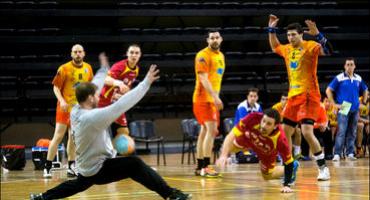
(124, 144)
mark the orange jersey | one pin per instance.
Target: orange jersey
(279, 107)
(68, 77)
(212, 63)
(301, 64)
(322, 118)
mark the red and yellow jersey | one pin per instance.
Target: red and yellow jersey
(364, 109)
(119, 71)
(322, 118)
(212, 63)
(301, 64)
(248, 136)
(69, 77)
(279, 107)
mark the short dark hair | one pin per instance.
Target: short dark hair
(295, 26)
(284, 94)
(213, 30)
(273, 114)
(350, 58)
(252, 90)
(134, 45)
(84, 90)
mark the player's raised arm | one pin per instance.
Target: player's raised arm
(102, 117)
(326, 47)
(274, 41)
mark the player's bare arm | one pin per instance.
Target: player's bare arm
(274, 41)
(326, 47)
(203, 77)
(58, 94)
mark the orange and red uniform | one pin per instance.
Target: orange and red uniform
(213, 63)
(119, 71)
(304, 92)
(67, 79)
(248, 136)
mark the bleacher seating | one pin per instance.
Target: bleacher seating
(170, 34)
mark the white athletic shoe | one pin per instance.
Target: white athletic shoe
(336, 158)
(351, 157)
(71, 173)
(324, 173)
(72, 170)
(47, 173)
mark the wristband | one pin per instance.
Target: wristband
(319, 36)
(272, 29)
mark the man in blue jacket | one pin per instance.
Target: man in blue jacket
(347, 87)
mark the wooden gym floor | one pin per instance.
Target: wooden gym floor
(349, 180)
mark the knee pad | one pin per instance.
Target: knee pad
(308, 121)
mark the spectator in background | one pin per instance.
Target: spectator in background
(248, 106)
(347, 87)
(331, 112)
(279, 106)
(245, 108)
(363, 124)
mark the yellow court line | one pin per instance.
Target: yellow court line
(141, 193)
(272, 187)
(97, 196)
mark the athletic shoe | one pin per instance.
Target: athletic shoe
(324, 173)
(36, 197)
(71, 172)
(178, 195)
(359, 152)
(47, 173)
(329, 157)
(351, 157)
(305, 158)
(336, 158)
(209, 172)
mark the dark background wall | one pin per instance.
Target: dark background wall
(36, 37)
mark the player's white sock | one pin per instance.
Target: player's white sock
(296, 150)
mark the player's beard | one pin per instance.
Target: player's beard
(215, 46)
(78, 61)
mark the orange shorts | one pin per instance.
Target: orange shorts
(206, 111)
(61, 116)
(302, 106)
